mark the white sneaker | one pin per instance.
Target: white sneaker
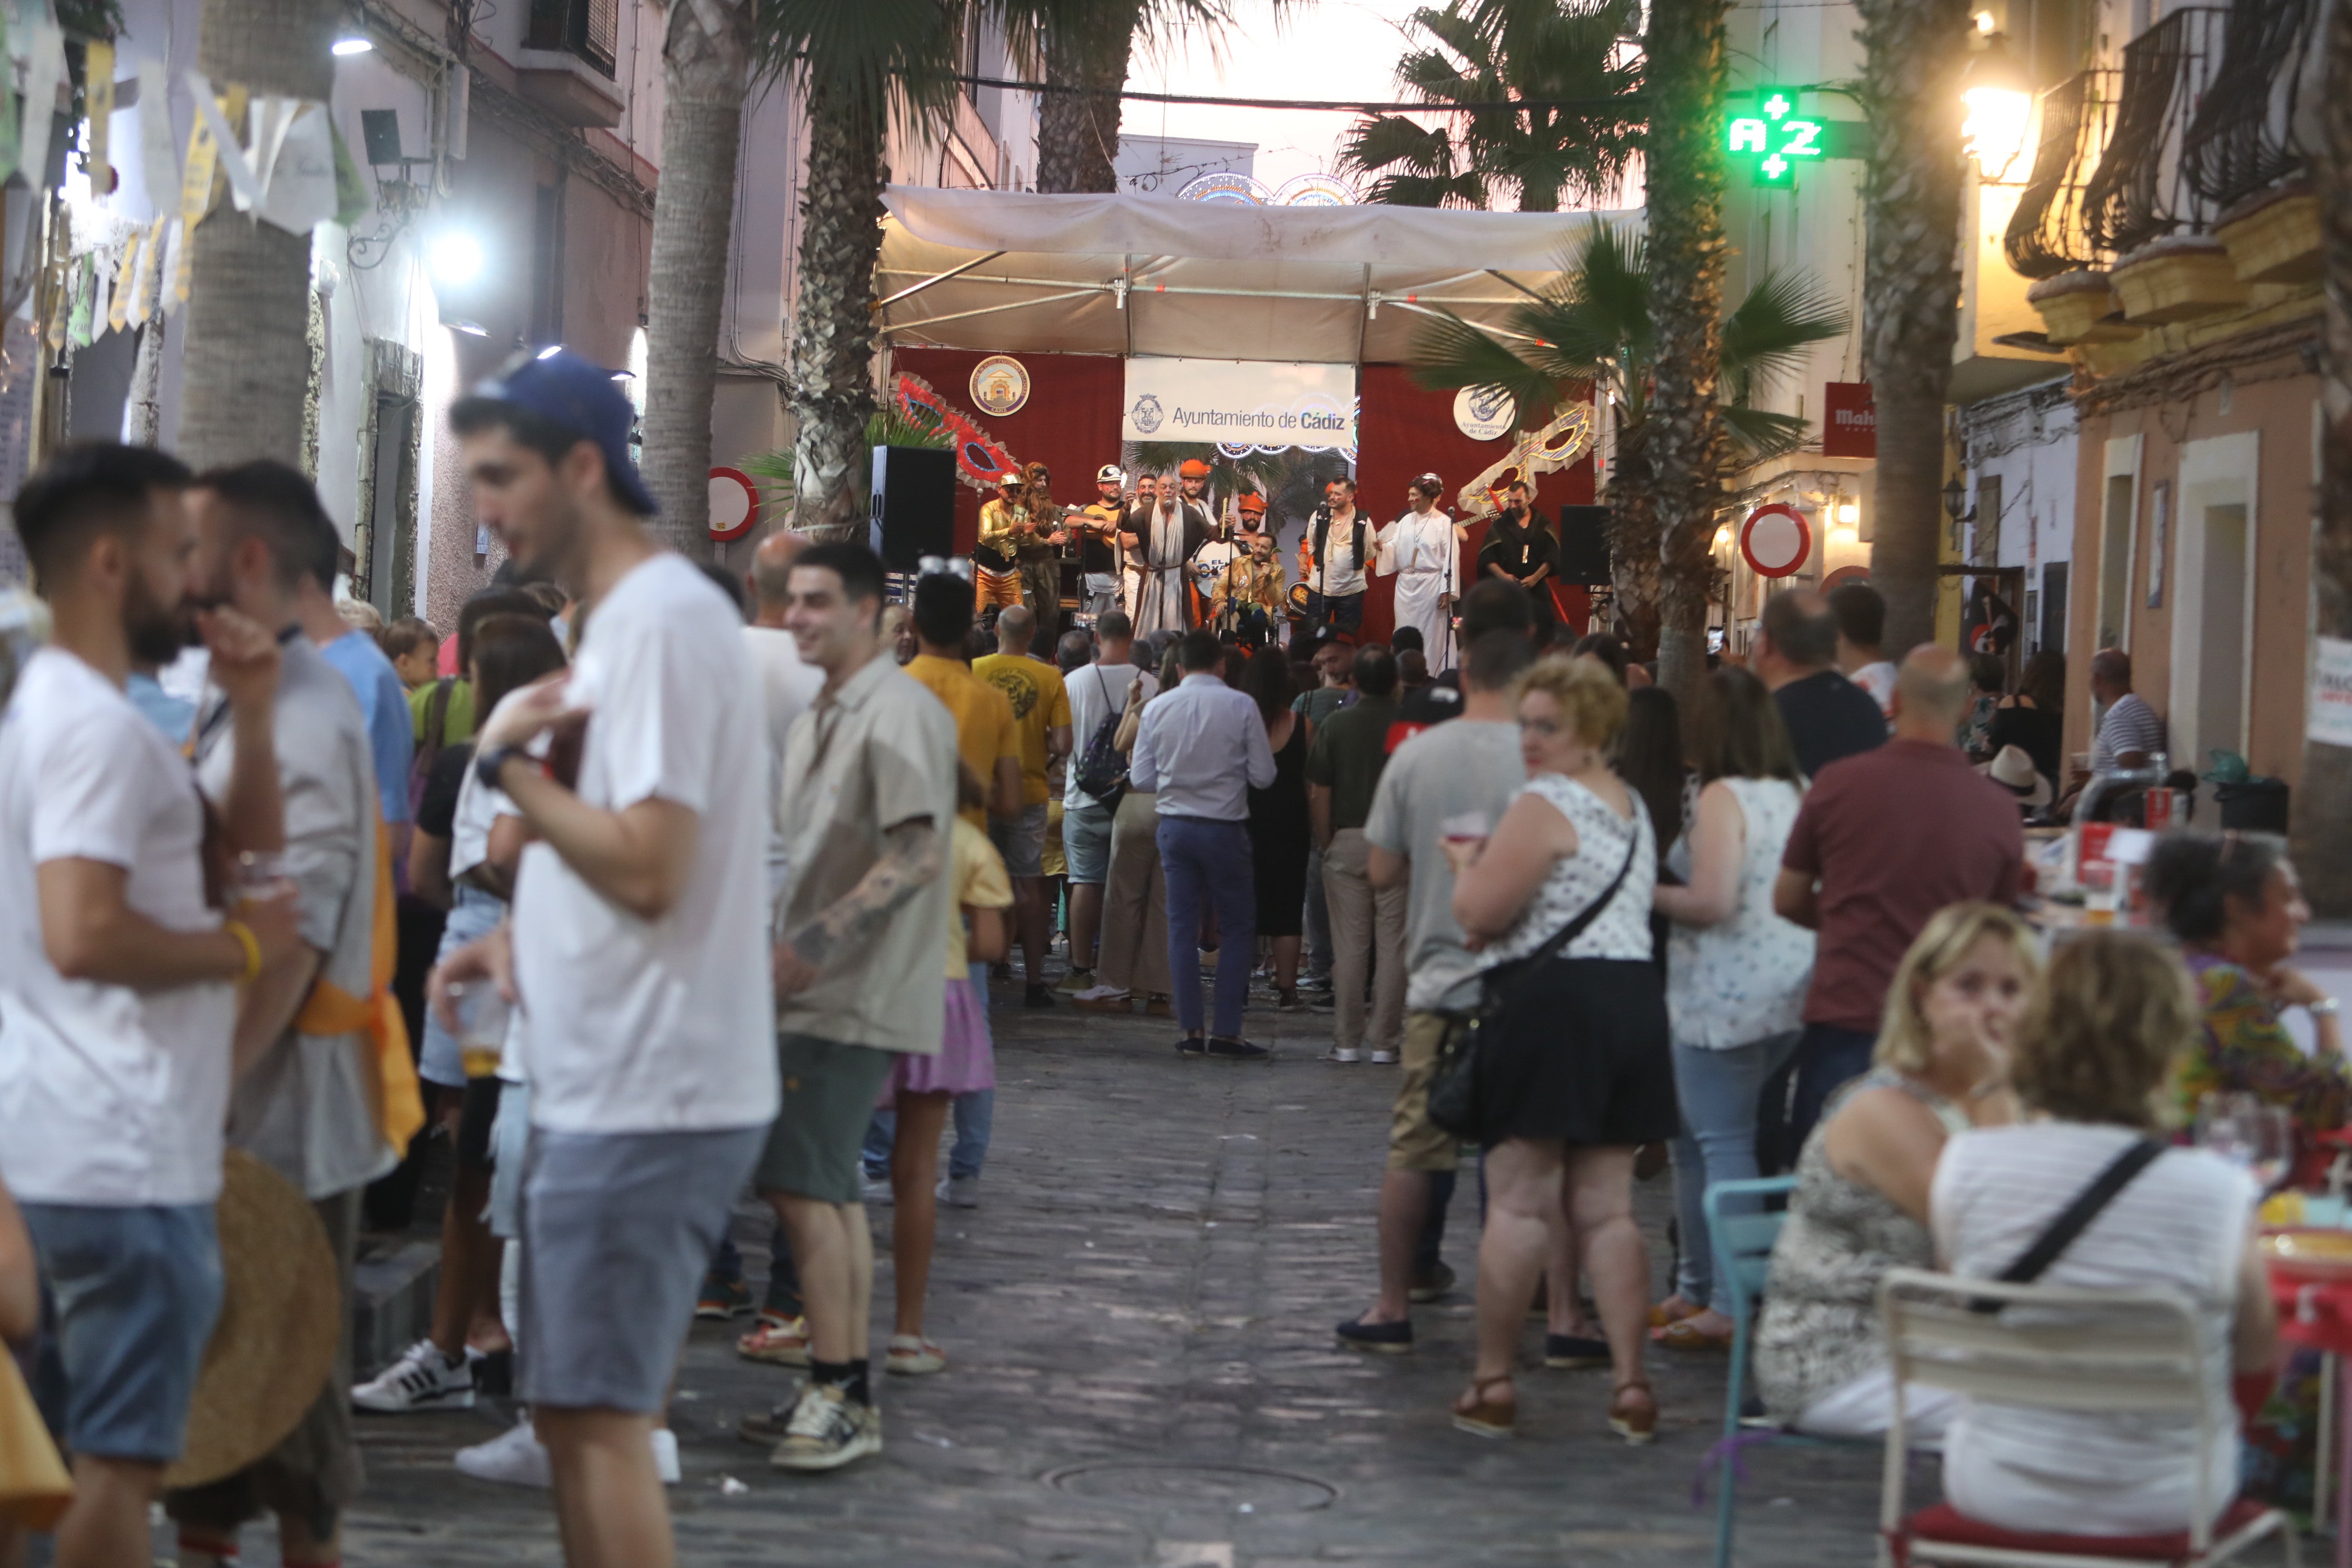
(517, 1458)
(1384, 1058)
(665, 1455)
(960, 1192)
(1344, 1053)
(878, 1192)
(422, 1379)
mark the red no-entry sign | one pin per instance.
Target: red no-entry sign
(1774, 540)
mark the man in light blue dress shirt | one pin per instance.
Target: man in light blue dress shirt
(1203, 748)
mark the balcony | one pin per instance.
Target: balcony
(2139, 192)
(2046, 237)
(2243, 139)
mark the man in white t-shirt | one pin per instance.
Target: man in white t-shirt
(639, 945)
(788, 683)
(306, 1105)
(118, 975)
(1453, 781)
(1097, 692)
(1860, 615)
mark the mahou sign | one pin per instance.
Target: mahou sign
(1849, 420)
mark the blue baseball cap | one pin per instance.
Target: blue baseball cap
(567, 389)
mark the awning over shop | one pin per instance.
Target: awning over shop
(1127, 274)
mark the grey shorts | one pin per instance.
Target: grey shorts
(1085, 842)
(617, 1228)
(830, 1093)
(130, 1298)
(1021, 840)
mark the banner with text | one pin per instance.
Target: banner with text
(1241, 403)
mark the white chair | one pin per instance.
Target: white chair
(2056, 1349)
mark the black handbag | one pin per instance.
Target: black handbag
(1456, 1100)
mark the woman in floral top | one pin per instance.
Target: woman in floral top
(2233, 901)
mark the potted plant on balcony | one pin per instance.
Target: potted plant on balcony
(2273, 236)
(2079, 307)
(2179, 278)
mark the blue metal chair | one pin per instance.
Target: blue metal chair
(1742, 1240)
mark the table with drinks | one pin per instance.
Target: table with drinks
(2306, 1248)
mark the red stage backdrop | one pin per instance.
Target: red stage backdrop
(1404, 429)
(1070, 423)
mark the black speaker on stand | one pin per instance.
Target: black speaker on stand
(914, 505)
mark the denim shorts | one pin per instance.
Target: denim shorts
(131, 1295)
(617, 1228)
(1021, 840)
(1085, 842)
(474, 914)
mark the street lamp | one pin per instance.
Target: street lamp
(454, 258)
(2001, 109)
(350, 44)
(1956, 497)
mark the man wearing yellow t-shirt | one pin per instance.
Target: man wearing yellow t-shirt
(1041, 713)
(985, 737)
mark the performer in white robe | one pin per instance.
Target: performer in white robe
(1423, 552)
(1178, 526)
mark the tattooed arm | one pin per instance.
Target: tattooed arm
(913, 854)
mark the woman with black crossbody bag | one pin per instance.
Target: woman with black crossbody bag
(1566, 1064)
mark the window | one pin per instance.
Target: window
(588, 28)
(2115, 563)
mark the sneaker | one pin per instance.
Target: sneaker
(959, 1192)
(1038, 995)
(1315, 982)
(1288, 1001)
(422, 1379)
(1076, 981)
(1236, 1050)
(1157, 1006)
(1433, 1285)
(783, 1342)
(1000, 972)
(912, 1355)
(1343, 1054)
(1384, 1058)
(827, 1432)
(1321, 1001)
(1103, 999)
(877, 1191)
(722, 1298)
(514, 1457)
(665, 1455)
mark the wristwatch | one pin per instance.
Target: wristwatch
(2323, 1008)
(487, 764)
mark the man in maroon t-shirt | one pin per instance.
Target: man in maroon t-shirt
(1884, 840)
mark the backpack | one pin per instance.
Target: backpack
(1102, 767)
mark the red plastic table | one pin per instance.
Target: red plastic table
(2318, 1314)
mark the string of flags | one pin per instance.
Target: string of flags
(278, 160)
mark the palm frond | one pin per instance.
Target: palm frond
(1757, 435)
(1765, 338)
(1463, 190)
(1381, 140)
(892, 57)
(1450, 353)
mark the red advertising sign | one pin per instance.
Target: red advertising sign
(1849, 420)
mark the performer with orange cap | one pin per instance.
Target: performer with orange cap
(1178, 526)
(1250, 592)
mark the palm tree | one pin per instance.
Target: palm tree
(2323, 801)
(1911, 287)
(706, 73)
(1597, 325)
(1495, 55)
(1078, 131)
(249, 294)
(1686, 438)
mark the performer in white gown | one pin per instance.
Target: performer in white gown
(1422, 551)
(1178, 525)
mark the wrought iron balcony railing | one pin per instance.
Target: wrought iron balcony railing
(2139, 192)
(2045, 235)
(2242, 138)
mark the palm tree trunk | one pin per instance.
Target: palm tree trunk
(2322, 802)
(1911, 287)
(1077, 132)
(1687, 443)
(247, 357)
(1633, 556)
(833, 329)
(704, 75)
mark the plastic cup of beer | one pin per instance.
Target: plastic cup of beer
(481, 1027)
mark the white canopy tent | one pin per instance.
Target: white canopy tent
(1126, 274)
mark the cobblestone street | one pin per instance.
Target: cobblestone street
(1142, 1370)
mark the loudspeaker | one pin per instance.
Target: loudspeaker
(914, 505)
(1584, 544)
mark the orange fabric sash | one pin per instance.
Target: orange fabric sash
(331, 1010)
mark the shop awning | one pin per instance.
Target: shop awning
(1127, 274)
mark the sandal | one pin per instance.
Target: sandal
(1683, 1335)
(1637, 1424)
(1672, 1309)
(1483, 1417)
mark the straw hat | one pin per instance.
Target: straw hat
(281, 1316)
(2014, 770)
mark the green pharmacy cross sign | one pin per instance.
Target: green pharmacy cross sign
(1764, 133)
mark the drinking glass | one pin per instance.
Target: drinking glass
(481, 1025)
(2258, 1138)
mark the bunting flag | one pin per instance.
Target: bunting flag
(126, 276)
(142, 286)
(98, 72)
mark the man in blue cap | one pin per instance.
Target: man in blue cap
(638, 945)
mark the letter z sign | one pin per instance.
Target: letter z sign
(1765, 135)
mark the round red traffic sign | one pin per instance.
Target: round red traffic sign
(1774, 540)
(734, 503)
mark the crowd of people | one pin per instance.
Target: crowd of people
(692, 886)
